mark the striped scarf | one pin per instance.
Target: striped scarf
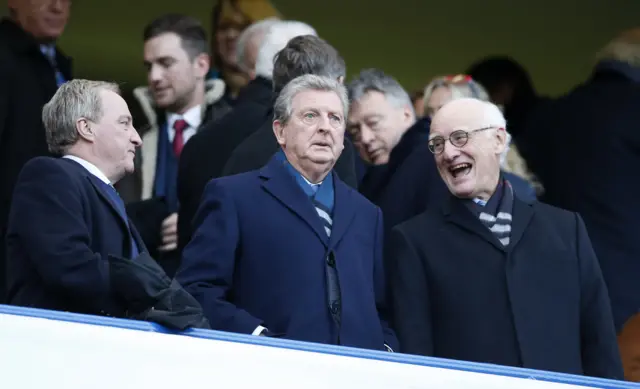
(500, 223)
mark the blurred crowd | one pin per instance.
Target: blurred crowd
(250, 187)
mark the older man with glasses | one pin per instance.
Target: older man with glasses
(490, 277)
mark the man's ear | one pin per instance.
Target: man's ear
(408, 115)
(501, 140)
(341, 79)
(278, 131)
(84, 130)
(202, 64)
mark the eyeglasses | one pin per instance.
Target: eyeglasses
(457, 138)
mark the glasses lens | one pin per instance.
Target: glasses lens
(435, 145)
(459, 138)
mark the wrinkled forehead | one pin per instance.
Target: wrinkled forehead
(318, 100)
(464, 118)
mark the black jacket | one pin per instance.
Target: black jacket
(206, 153)
(27, 82)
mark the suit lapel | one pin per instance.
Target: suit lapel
(279, 183)
(457, 213)
(343, 211)
(522, 215)
(137, 238)
(109, 202)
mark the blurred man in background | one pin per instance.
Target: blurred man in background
(32, 68)
(585, 149)
(177, 102)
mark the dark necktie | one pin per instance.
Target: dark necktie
(119, 203)
(50, 53)
(178, 139)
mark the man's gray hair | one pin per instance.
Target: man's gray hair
(276, 39)
(375, 80)
(73, 100)
(258, 28)
(283, 107)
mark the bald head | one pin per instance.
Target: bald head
(467, 137)
(469, 113)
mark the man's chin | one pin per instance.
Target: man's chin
(323, 159)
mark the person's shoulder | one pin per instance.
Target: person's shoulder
(49, 172)
(261, 140)
(237, 184)
(421, 224)
(551, 210)
(45, 164)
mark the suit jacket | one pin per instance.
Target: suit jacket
(258, 258)
(62, 228)
(590, 168)
(206, 153)
(256, 151)
(539, 303)
(374, 185)
(27, 82)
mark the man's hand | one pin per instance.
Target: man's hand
(169, 233)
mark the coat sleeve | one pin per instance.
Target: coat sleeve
(46, 225)
(209, 260)
(600, 355)
(381, 291)
(410, 300)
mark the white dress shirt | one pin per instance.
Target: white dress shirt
(91, 168)
(193, 117)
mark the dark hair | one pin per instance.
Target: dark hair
(190, 31)
(306, 54)
(493, 72)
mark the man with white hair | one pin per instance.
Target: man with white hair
(290, 250)
(206, 157)
(489, 277)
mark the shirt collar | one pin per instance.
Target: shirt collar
(91, 168)
(193, 117)
(309, 182)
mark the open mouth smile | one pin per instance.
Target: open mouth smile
(459, 170)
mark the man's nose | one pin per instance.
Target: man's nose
(366, 135)
(449, 151)
(325, 124)
(135, 138)
(155, 73)
(58, 6)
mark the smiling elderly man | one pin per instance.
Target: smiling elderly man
(489, 277)
(290, 250)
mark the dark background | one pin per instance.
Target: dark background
(411, 39)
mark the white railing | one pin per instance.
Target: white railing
(45, 349)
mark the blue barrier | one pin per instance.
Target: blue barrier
(319, 348)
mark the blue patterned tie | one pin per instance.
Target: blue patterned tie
(50, 53)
